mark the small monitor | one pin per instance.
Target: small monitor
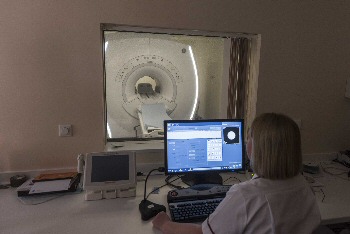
(201, 149)
(109, 171)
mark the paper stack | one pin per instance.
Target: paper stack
(50, 183)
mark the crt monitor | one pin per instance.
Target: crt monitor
(201, 149)
(109, 171)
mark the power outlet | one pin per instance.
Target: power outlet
(65, 130)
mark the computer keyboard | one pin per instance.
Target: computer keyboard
(193, 211)
(194, 204)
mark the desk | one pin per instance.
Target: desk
(72, 214)
(335, 207)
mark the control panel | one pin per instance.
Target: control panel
(198, 192)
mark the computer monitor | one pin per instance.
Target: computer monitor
(201, 149)
(110, 171)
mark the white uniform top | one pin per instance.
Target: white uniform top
(266, 206)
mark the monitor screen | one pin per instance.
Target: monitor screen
(203, 146)
(109, 170)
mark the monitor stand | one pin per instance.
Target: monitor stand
(202, 178)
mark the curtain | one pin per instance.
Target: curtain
(238, 78)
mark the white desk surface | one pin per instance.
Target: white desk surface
(72, 214)
(335, 207)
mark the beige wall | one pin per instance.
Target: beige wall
(51, 68)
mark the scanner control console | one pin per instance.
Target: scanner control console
(198, 192)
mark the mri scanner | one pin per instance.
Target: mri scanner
(148, 80)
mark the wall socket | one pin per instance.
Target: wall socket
(65, 130)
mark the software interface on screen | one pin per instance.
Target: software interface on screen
(202, 146)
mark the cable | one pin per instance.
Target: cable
(232, 177)
(147, 208)
(170, 183)
(160, 169)
(335, 171)
(155, 190)
(4, 186)
(41, 200)
(346, 164)
(167, 183)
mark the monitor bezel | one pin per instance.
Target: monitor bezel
(206, 171)
(109, 185)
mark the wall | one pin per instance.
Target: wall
(51, 68)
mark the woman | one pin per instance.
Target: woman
(276, 200)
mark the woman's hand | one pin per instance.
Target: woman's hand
(161, 219)
(166, 226)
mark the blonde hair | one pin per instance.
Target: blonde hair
(276, 150)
